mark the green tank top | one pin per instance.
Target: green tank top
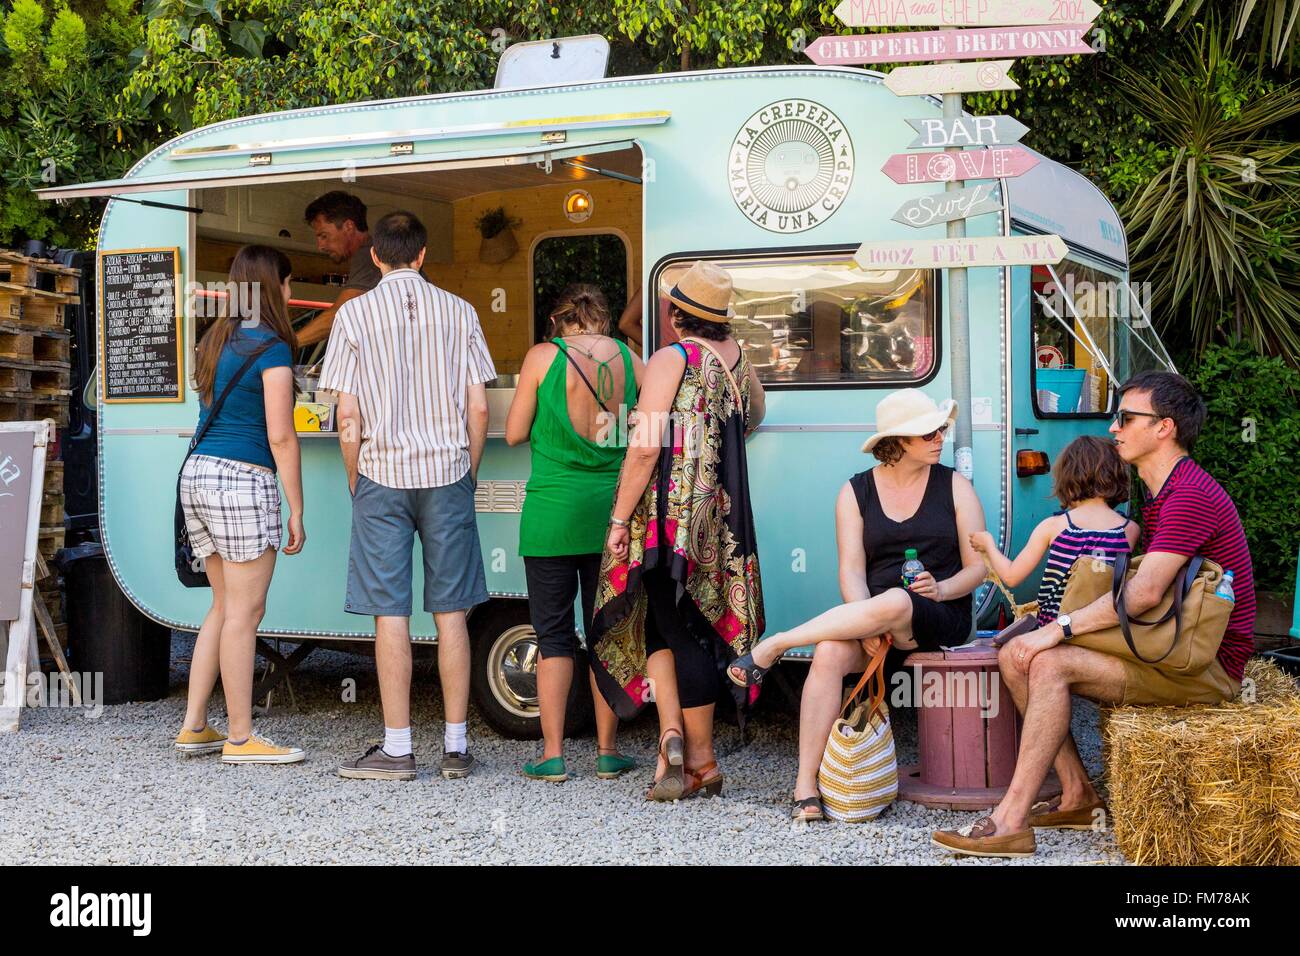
(570, 491)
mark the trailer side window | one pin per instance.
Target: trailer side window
(1076, 311)
(820, 320)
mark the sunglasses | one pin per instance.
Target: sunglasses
(1123, 415)
(931, 436)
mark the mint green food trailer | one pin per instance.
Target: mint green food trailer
(772, 172)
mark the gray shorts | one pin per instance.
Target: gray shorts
(384, 523)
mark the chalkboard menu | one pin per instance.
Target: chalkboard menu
(140, 340)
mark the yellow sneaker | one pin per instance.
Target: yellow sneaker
(260, 750)
(205, 741)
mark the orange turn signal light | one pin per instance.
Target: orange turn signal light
(1030, 463)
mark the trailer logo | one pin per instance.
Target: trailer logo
(790, 166)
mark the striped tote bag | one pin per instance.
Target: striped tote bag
(858, 777)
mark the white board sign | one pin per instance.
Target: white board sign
(939, 133)
(951, 78)
(948, 206)
(961, 253)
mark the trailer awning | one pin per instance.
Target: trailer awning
(334, 168)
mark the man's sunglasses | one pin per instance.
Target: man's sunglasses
(1123, 415)
(931, 436)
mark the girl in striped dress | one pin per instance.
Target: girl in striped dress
(1089, 479)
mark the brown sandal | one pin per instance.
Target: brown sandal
(808, 809)
(670, 786)
(701, 782)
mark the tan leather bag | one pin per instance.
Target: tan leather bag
(1180, 635)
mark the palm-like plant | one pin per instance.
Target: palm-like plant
(1217, 230)
(1277, 21)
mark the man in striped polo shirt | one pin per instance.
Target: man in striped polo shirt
(1186, 513)
(410, 365)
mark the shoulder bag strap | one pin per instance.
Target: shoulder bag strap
(1181, 585)
(875, 668)
(740, 407)
(582, 375)
(225, 393)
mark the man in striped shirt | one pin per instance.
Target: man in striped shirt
(410, 365)
(1187, 513)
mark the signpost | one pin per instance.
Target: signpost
(1065, 39)
(966, 131)
(961, 253)
(1001, 162)
(964, 13)
(945, 207)
(951, 78)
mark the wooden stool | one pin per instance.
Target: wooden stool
(968, 732)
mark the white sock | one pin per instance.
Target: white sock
(453, 738)
(397, 743)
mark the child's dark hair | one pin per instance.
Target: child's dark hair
(1090, 467)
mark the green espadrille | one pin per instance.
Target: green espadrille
(552, 770)
(609, 766)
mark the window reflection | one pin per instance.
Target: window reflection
(821, 319)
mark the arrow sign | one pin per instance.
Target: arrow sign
(1046, 40)
(939, 133)
(963, 13)
(951, 78)
(961, 253)
(947, 206)
(998, 163)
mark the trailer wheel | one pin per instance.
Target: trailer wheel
(503, 678)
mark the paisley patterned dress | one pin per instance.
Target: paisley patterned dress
(695, 520)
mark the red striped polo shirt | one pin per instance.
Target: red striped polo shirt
(1191, 515)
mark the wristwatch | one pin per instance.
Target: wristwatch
(1064, 621)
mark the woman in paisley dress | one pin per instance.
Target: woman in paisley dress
(679, 596)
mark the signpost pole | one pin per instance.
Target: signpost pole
(959, 322)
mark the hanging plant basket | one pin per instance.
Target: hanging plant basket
(498, 241)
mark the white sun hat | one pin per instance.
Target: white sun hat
(910, 412)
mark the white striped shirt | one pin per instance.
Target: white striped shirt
(409, 351)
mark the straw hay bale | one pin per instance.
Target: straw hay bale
(1209, 784)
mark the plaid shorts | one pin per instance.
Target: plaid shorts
(231, 508)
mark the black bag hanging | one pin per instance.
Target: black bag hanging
(189, 569)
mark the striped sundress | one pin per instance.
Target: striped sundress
(1072, 543)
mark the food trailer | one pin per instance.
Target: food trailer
(774, 173)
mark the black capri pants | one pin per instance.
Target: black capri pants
(552, 588)
(681, 628)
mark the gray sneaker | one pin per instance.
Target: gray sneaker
(375, 764)
(456, 765)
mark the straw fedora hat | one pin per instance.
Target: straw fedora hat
(705, 292)
(910, 412)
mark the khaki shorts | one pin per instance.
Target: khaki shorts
(1143, 684)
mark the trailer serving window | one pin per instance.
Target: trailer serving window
(816, 319)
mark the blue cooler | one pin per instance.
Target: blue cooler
(1066, 383)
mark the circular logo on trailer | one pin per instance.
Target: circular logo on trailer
(790, 166)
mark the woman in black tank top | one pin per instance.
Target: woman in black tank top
(935, 611)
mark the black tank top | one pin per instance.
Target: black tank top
(932, 531)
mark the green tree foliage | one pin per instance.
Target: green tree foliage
(1251, 445)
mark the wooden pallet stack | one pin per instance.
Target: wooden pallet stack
(35, 383)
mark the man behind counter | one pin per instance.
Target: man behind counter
(339, 221)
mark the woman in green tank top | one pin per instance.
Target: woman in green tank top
(571, 404)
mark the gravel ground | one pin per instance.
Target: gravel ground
(112, 791)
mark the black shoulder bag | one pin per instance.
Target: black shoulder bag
(189, 569)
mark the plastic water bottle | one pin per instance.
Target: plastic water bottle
(911, 567)
(1225, 588)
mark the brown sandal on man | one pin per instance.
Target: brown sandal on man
(670, 786)
(982, 838)
(703, 780)
(1049, 815)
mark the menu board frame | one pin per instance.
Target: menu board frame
(103, 341)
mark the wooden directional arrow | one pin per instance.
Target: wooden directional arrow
(947, 206)
(937, 133)
(963, 13)
(1001, 162)
(1063, 39)
(961, 253)
(951, 78)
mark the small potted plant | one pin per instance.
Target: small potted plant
(497, 229)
